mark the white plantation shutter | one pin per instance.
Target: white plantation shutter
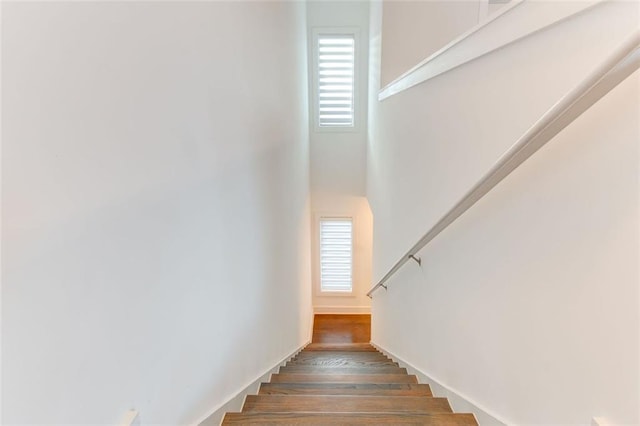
(336, 254)
(336, 58)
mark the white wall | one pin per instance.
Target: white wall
(413, 30)
(527, 306)
(338, 159)
(155, 206)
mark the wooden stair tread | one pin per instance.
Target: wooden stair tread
(342, 362)
(297, 369)
(436, 419)
(390, 389)
(340, 356)
(334, 357)
(343, 378)
(340, 352)
(351, 347)
(345, 404)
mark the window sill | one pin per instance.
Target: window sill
(335, 294)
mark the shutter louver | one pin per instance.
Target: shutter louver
(335, 255)
(336, 55)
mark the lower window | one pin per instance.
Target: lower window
(336, 255)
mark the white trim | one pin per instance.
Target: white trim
(341, 310)
(410, 78)
(438, 63)
(460, 403)
(313, 49)
(216, 414)
(313, 323)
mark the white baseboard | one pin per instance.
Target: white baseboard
(215, 415)
(459, 402)
(344, 310)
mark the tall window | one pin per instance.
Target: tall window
(335, 60)
(336, 254)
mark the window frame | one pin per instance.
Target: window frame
(317, 273)
(316, 32)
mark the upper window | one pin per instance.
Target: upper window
(336, 247)
(335, 77)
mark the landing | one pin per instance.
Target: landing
(342, 329)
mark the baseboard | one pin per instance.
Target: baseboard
(459, 402)
(313, 323)
(344, 310)
(215, 415)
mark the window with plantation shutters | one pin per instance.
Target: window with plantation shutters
(336, 249)
(335, 80)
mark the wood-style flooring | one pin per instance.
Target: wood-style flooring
(340, 379)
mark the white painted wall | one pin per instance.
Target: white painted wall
(155, 206)
(338, 159)
(413, 30)
(528, 305)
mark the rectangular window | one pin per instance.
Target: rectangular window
(336, 249)
(335, 54)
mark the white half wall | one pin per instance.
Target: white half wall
(155, 205)
(528, 305)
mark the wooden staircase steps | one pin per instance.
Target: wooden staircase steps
(349, 419)
(341, 362)
(343, 378)
(347, 347)
(345, 404)
(304, 369)
(345, 384)
(391, 389)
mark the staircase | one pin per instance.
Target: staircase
(345, 383)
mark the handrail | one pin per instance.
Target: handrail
(617, 67)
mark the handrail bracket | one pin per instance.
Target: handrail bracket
(417, 259)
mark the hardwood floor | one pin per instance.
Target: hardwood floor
(340, 379)
(342, 329)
